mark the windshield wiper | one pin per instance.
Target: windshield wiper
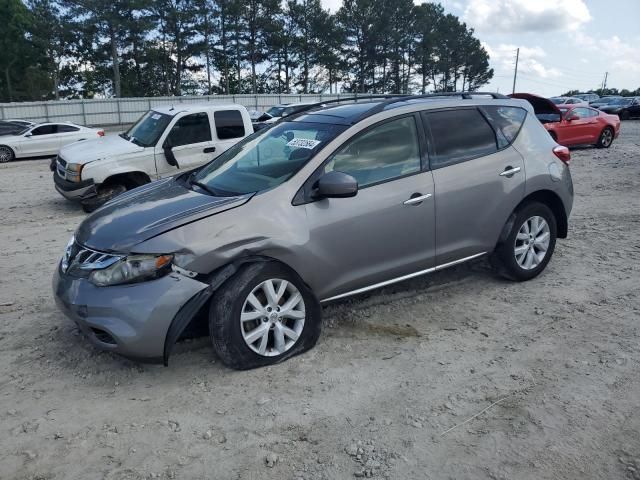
(137, 142)
(205, 187)
(124, 135)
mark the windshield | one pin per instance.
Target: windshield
(267, 158)
(146, 131)
(275, 111)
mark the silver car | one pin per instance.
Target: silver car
(331, 202)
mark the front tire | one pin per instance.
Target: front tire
(526, 251)
(606, 138)
(263, 315)
(105, 193)
(6, 154)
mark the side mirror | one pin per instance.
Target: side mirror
(27, 135)
(169, 156)
(336, 185)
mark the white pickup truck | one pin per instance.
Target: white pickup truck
(165, 141)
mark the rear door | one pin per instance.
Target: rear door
(70, 133)
(479, 177)
(191, 141)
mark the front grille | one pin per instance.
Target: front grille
(78, 257)
(61, 166)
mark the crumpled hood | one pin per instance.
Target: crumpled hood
(96, 149)
(148, 211)
(541, 105)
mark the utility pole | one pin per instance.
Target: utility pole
(604, 83)
(515, 73)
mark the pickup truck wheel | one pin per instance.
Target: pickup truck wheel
(6, 154)
(263, 315)
(105, 193)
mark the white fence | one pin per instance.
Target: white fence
(122, 111)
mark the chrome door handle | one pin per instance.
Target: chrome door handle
(418, 199)
(510, 172)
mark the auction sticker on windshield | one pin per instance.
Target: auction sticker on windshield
(303, 143)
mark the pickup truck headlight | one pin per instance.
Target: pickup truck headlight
(132, 269)
(73, 171)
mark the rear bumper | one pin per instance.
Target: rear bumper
(130, 320)
(75, 191)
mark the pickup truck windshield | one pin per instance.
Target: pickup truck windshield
(146, 131)
(267, 158)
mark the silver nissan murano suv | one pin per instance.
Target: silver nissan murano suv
(336, 200)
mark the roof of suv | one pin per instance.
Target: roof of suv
(193, 107)
(351, 113)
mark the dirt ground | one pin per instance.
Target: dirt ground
(458, 375)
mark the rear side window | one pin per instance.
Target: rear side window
(44, 130)
(506, 121)
(229, 124)
(459, 135)
(190, 129)
(67, 128)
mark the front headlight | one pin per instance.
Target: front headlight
(73, 171)
(134, 268)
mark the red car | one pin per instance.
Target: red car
(574, 124)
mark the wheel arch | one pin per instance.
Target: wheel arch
(193, 316)
(548, 198)
(130, 179)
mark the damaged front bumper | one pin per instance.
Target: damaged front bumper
(75, 191)
(140, 321)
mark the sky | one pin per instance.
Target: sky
(564, 44)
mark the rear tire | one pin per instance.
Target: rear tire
(238, 342)
(105, 193)
(6, 154)
(606, 138)
(518, 258)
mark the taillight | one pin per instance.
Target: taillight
(562, 153)
(101, 133)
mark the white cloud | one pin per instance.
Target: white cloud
(531, 60)
(519, 16)
(620, 55)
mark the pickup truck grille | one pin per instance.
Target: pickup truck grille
(61, 167)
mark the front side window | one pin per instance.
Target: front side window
(506, 121)
(267, 158)
(459, 135)
(229, 124)
(44, 130)
(147, 131)
(190, 129)
(384, 152)
(582, 112)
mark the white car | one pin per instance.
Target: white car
(43, 140)
(164, 142)
(568, 101)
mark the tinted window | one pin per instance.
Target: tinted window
(584, 112)
(229, 124)
(506, 122)
(384, 152)
(67, 128)
(190, 129)
(44, 130)
(147, 131)
(459, 135)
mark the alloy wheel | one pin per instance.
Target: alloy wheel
(272, 317)
(532, 243)
(6, 155)
(607, 137)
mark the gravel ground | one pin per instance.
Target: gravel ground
(455, 375)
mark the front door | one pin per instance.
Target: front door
(42, 140)
(191, 144)
(580, 130)
(479, 178)
(387, 230)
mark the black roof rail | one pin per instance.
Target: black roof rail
(389, 100)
